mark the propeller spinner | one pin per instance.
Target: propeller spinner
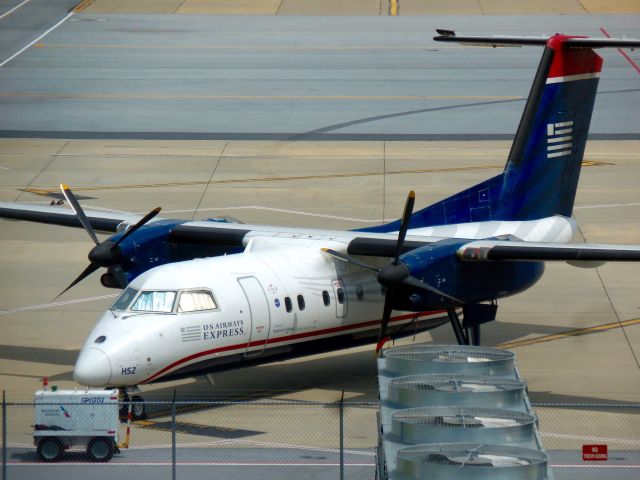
(394, 276)
(105, 254)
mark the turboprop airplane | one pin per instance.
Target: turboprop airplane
(205, 295)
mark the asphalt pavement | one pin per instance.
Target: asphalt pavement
(293, 78)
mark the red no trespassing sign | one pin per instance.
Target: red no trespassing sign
(595, 453)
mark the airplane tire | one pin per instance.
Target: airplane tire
(139, 409)
(100, 449)
(50, 449)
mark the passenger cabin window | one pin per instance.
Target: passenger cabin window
(359, 293)
(300, 302)
(125, 298)
(196, 301)
(287, 304)
(340, 292)
(155, 301)
(326, 298)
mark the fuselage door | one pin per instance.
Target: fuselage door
(260, 317)
(340, 294)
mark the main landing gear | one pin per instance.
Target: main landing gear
(474, 315)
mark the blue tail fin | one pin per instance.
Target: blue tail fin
(541, 175)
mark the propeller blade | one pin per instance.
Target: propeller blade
(68, 194)
(85, 273)
(386, 316)
(404, 226)
(348, 259)
(414, 282)
(140, 223)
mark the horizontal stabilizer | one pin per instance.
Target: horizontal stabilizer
(490, 250)
(517, 41)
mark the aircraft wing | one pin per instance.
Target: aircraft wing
(358, 243)
(504, 250)
(210, 232)
(101, 221)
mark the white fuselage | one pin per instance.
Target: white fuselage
(280, 294)
(266, 300)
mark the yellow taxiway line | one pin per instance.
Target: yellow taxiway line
(570, 333)
(41, 190)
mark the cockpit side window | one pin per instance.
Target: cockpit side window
(196, 301)
(154, 301)
(125, 298)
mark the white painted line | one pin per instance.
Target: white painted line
(595, 466)
(36, 40)
(271, 209)
(188, 464)
(13, 9)
(592, 439)
(57, 304)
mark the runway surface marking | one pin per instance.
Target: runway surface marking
(43, 190)
(57, 304)
(590, 439)
(393, 8)
(36, 40)
(115, 463)
(338, 48)
(9, 12)
(39, 190)
(622, 52)
(571, 333)
(251, 97)
(82, 5)
(273, 209)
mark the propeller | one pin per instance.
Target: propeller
(105, 254)
(394, 275)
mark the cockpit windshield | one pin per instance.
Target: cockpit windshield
(155, 301)
(125, 298)
(163, 301)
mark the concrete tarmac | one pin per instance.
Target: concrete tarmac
(317, 184)
(222, 80)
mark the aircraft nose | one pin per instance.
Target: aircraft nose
(93, 368)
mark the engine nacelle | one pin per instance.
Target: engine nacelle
(439, 266)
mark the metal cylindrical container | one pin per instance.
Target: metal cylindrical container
(456, 390)
(470, 462)
(449, 360)
(463, 425)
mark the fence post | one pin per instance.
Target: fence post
(4, 435)
(173, 437)
(342, 436)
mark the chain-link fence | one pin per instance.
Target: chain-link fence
(569, 431)
(184, 440)
(269, 439)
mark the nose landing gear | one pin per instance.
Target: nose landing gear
(138, 406)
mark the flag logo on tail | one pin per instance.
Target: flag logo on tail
(559, 139)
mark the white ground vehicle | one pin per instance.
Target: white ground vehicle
(70, 418)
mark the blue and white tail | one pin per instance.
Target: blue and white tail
(542, 171)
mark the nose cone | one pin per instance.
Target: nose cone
(93, 368)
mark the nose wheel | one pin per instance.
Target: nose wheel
(138, 406)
